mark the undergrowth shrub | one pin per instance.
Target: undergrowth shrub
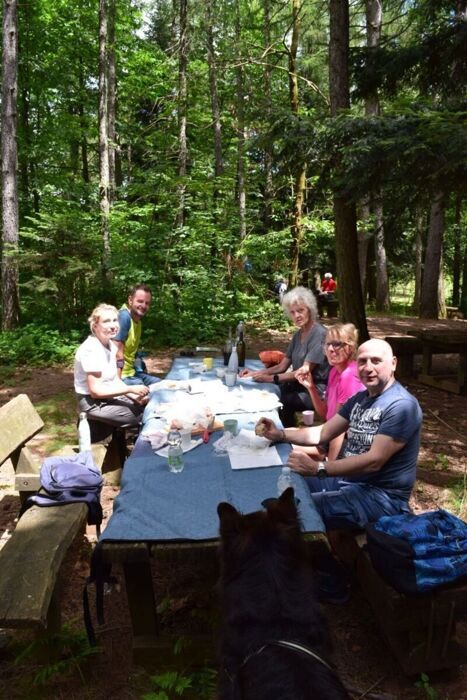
(34, 345)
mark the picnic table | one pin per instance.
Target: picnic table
(444, 342)
(158, 510)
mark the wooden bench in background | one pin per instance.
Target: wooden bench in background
(331, 306)
(31, 559)
(405, 347)
(420, 630)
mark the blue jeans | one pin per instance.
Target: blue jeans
(349, 505)
(141, 378)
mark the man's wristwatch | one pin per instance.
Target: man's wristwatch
(275, 379)
(321, 471)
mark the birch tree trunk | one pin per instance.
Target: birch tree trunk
(429, 301)
(10, 224)
(182, 114)
(82, 124)
(241, 137)
(300, 177)
(111, 98)
(104, 175)
(268, 159)
(215, 107)
(345, 219)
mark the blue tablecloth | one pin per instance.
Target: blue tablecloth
(155, 505)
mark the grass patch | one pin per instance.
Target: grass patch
(59, 413)
(457, 500)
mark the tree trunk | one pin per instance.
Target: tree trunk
(382, 282)
(300, 176)
(182, 114)
(10, 267)
(268, 159)
(456, 267)
(364, 238)
(345, 219)
(241, 137)
(215, 108)
(374, 15)
(429, 301)
(104, 178)
(419, 224)
(111, 97)
(463, 300)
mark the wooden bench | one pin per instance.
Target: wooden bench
(330, 305)
(420, 630)
(454, 312)
(404, 348)
(31, 559)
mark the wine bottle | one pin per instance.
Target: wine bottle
(241, 347)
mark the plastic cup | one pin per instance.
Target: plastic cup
(186, 438)
(230, 378)
(230, 426)
(208, 362)
(308, 417)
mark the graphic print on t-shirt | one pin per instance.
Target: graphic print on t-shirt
(364, 424)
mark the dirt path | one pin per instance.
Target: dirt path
(361, 655)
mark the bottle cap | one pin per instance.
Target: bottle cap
(286, 470)
(82, 415)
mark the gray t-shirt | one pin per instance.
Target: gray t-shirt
(395, 413)
(310, 349)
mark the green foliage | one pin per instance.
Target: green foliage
(424, 685)
(442, 461)
(68, 651)
(59, 416)
(199, 684)
(196, 269)
(34, 344)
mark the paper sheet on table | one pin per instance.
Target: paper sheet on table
(251, 459)
(249, 451)
(240, 401)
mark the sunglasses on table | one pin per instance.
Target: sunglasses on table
(336, 344)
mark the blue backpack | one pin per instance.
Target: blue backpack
(416, 553)
(74, 479)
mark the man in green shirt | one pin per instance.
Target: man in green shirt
(129, 336)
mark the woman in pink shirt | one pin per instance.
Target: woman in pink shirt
(340, 346)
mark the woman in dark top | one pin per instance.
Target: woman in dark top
(305, 352)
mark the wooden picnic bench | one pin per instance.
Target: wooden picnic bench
(449, 343)
(31, 559)
(405, 347)
(330, 305)
(420, 629)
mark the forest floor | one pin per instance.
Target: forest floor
(185, 590)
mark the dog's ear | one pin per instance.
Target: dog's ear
(285, 508)
(229, 518)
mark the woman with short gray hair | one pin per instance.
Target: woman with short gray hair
(305, 353)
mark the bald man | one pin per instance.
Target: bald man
(375, 471)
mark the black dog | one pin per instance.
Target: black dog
(275, 642)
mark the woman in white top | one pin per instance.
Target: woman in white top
(101, 393)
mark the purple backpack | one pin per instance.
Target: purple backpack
(74, 479)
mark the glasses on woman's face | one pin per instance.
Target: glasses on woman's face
(334, 344)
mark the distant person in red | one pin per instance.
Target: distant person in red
(328, 286)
